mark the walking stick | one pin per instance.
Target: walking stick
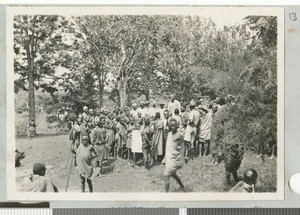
(69, 173)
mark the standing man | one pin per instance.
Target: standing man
(205, 129)
(75, 137)
(98, 139)
(85, 154)
(97, 117)
(190, 133)
(134, 111)
(85, 115)
(193, 127)
(153, 110)
(174, 154)
(161, 109)
(92, 118)
(173, 104)
(142, 109)
(147, 109)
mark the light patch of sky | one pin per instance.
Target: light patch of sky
(222, 21)
(225, 16)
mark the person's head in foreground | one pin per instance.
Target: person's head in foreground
(39, 169)
(173, 125)
(250, 177)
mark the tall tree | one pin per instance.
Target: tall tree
(37, 39)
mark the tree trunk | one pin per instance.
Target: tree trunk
(123, 80)
(147, 95)
(123, 92)
(31, 94)
(101, 90)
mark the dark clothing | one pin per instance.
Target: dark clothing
(148, 138)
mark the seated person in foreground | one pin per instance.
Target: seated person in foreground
(248, 184)
(37, 182)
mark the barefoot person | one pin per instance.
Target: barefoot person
(37, 182)
(174, 154)
(158, 138)
(147, 143)
(99, 142)
(85, 154)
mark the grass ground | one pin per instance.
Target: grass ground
(54, 152)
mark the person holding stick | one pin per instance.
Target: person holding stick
(85, 154)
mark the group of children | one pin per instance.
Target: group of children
(140, 131)
(168, 136)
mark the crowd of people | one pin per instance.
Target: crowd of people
(159, 134)
(171, 135)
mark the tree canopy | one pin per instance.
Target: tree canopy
(125, 57)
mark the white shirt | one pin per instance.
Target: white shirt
(142, 110)
(174, 105)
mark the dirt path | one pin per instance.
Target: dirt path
(54, 152)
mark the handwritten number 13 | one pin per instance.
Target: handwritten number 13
(293, 16)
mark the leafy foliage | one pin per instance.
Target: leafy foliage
(130, 56)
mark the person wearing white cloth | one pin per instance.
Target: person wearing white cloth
(173, 104)
(153, 109)
(134, 112)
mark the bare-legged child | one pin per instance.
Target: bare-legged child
(85, 155)
(174, 154)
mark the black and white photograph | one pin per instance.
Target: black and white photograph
(145, 103)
